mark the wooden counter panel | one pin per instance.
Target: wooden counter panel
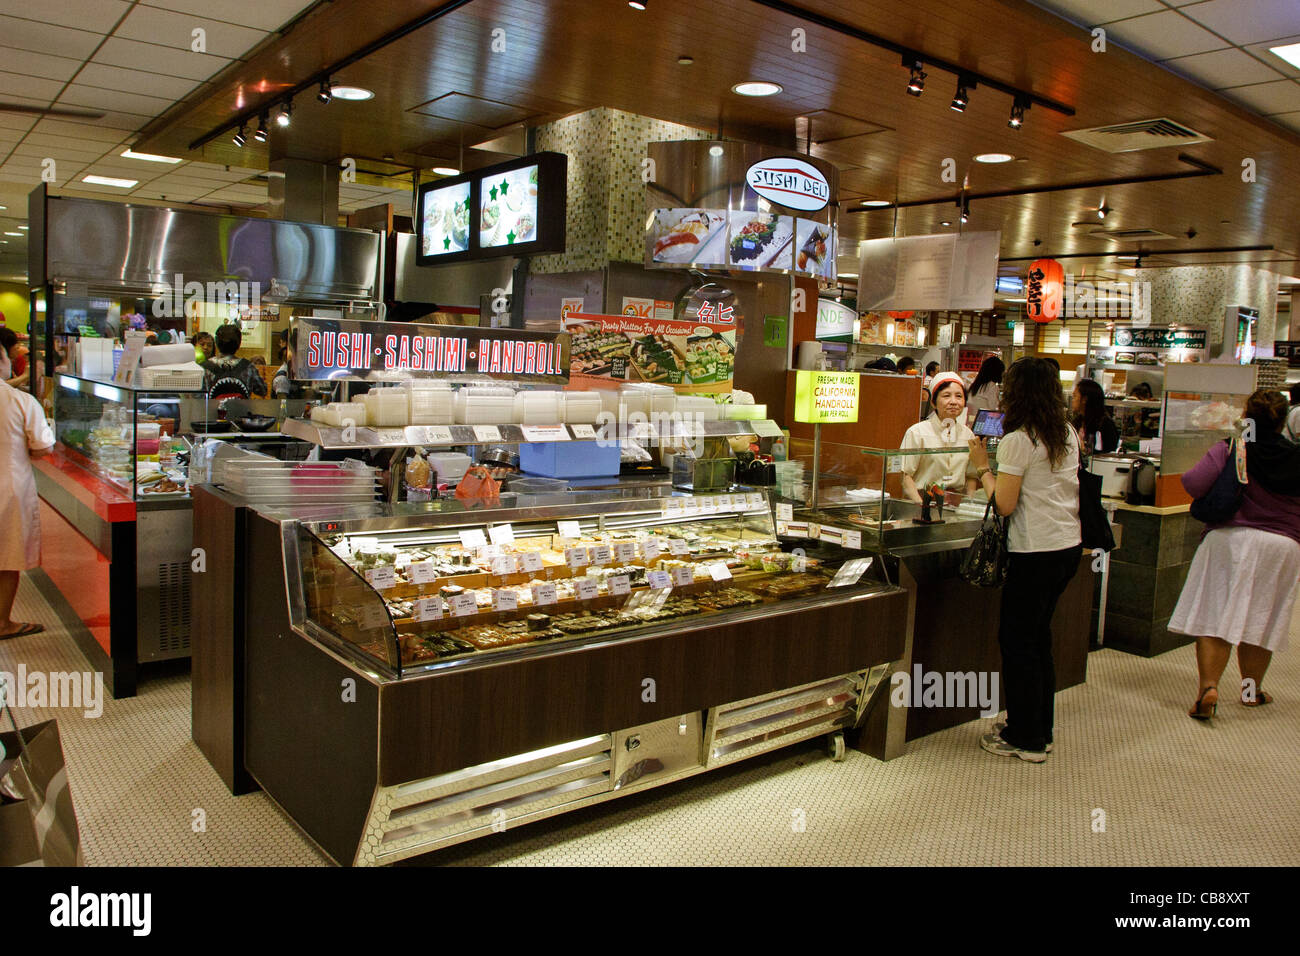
(444, 722)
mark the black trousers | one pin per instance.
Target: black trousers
(1035, 582)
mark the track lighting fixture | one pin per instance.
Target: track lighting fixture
(325, 94)
(961, 97)
(1018, 107)
(239, 137)
(965, 209)
(1102, 210)
(916, 85)
(260, 133)
(282, 118)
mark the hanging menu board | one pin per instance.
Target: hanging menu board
(614, 349)
(511, 209)
(946, 272)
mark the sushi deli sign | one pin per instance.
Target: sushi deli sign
(386, 351)
(826, 398)
(789, 182)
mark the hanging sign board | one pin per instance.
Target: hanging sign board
(944, 272)
(835, 320)
(826, 398)
(609, 350)
(356, 351)
(1045, 290)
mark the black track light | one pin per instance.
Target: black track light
(239, 137)
(961, 97)
(965, 209)
(1018, 108)
(916, 85)
(260, 133)
(326, 94)
(1102, 210)
(282, 118)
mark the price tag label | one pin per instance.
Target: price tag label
(586, 588)
(473, 538)
(683, 576)
(501, 534)
(570, 529)
(798, 563)
(782, 528)
(601, 555)
(798, 528)
(691, 506)
(583, 431)
(625, 551)
(766, 428)
(423, 572)
(658, 579)
(850, 572)
(373, 618)
(827, 533)
(619, 584)
(437, 435)
(725, 502)
(545, 433)
(678, 546)
(382, 578)
(503, 564)
(391, 436)
(428, 609)
(894, 464)
(853, 539)
(575, 557)
(487, 433)
(719, 572)
(650, 548)
(708, 505)
(530, 561)
(504, 600)
(674, 507)
(463, 605)
(754, 499)
(785, 512)
(543, 594)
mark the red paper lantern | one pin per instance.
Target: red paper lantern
(1045, 290)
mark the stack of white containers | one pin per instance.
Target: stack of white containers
(698, 408)
(386, 407)
(582, 408)
(339, 413)
(485, 405)
(430, 403)
(539, 408)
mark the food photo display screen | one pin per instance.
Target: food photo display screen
(445, 214)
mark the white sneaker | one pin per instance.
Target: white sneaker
(1001, 725)
(999, 747)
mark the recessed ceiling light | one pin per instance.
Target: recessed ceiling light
(715, 150)
(756, 88)
(18, 234)
(686, 60)
(352, 93)
(445, 171)
(847, 275)
(23, 227)
(946, 222)
(110, 181)
(994, 158)
(636, 4)
(876, 203)
(149, 157)
(1290, 53)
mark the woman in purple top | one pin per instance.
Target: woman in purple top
(1241, 586)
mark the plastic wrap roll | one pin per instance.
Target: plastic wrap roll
(153, 355)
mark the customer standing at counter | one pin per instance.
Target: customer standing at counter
(943, 428)
(1097, 432)
(986, 389)
(1241, 587)
(24, 435)
(1037, 485)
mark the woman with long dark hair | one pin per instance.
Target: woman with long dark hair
(985, 390)
(1241, 587)
(1037, 485)
(1097, 432)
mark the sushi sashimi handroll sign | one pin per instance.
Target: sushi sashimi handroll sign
(610, 350)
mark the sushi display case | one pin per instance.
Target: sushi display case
(458, 671)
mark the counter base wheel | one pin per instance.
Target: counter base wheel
(835, 747)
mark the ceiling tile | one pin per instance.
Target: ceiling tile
(1162, 36)
(1279, 97)
(1247, 21)
(264, 14)
(138, 81)
(60, 153)
(1262, 51)
(166, 28)
(45, 38)
(1222, 68)
(132, 53)
(77, 130)
(1289, 120)
(17, 121)
(16, 84)
(31, 63)
(173, 193)
(1092, 12)
(146, 106)
(97, 15)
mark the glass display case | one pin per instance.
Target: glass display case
(864, 503)
(413, 588)
(127, 436)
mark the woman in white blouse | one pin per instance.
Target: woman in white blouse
(944, 428)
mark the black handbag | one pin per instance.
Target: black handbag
(1094, 524)
(985, 562)
(1224, 497)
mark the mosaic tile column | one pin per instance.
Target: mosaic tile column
(1199, 295)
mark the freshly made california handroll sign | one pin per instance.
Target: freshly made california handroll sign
(340, 349)
(825, 398)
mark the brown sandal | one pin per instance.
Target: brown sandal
(1260, 700)
(1204, 709)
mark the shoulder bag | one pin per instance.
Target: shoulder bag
(1094, 523)
(985, 562)
(1224, 497)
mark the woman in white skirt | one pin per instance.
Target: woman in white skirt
(1241, 586)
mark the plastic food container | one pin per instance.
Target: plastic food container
(538, 486)
(582, 408)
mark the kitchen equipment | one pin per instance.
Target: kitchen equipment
(703, 474)
(1114, 474)
(255, 423)
(1142, 482)
(210, 427)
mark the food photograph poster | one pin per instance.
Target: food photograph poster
(611, 350)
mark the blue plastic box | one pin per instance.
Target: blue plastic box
(569, 459)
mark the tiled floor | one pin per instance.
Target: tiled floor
(1172, 791)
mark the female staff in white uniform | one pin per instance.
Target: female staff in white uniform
(943, 428)
(24, 434)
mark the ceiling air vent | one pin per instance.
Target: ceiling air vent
(1143, 134)
(1129, 235)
